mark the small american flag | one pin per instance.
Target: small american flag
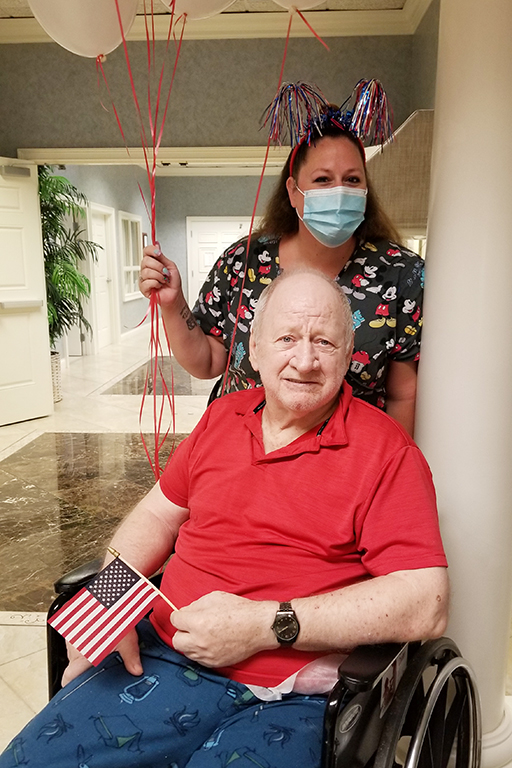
(102, 613)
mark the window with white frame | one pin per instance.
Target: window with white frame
(131, 254)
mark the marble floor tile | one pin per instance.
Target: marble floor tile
(23, 676)
(27, 677)
(19, 642)
(61, 498)
(15, 715)
(12, 441)
(168, 371)
(22, 619)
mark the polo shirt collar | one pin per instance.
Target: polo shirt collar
(330, 433)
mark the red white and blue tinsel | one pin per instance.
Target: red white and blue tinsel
(299, 112)
(292, 112)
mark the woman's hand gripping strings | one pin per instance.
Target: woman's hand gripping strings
(161, 274)
(203, 356)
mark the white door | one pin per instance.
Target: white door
(25, 376)
(103, 320)
(207, 238)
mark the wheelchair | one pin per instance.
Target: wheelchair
(414, 705)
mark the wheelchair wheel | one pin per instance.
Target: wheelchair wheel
(434, 719)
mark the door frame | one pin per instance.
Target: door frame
(91, 345)
(190, 220)
(28, 394)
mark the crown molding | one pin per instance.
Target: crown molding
(226, 26)
(172, 161)
(275, 25)
(415, 11)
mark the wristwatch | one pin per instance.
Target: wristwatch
(286, 625)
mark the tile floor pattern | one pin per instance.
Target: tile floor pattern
(65, 482)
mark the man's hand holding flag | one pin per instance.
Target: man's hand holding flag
(103, 612)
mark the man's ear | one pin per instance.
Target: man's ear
(253, 358)
(349, 354)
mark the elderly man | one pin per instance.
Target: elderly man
(303, 522)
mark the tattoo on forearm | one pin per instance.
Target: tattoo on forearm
(188, 317)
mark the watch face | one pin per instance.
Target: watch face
(286, 627)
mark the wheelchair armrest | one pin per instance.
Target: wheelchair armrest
(366, 664)
(77, 578)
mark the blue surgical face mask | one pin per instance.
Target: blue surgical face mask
(332, 215)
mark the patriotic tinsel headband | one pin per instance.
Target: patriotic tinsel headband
(298, 113)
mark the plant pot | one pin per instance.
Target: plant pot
(56, 376)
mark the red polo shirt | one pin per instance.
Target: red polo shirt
(340, 504)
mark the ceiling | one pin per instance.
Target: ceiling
(247, 19)
(21, 8)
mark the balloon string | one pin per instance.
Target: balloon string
(154, 374)
(150, 60)
(172, 81)
(160, 82)
(239, 309)
(155, 367)
(308, 25)
(143, 137)
(99, 68)
(146, 387)
(287, 40)
(130, 74)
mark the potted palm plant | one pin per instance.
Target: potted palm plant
(64, 248)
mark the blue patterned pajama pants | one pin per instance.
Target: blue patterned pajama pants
(177, 714)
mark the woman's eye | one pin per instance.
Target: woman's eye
(286, 339)
(353, 180)
(321, 180)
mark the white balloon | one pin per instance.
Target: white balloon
(301, 5)
(198, 9)
(86, 27)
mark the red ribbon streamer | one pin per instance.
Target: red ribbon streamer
(156, 133)
(239, 309)
(156, 127)
(308, 25)
(156, 359)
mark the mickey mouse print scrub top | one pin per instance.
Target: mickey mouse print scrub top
(382, 281)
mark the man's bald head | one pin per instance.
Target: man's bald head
(303, 276)
(301, 342)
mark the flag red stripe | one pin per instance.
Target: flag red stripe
(92, 623)
(85, 623)
(90, 614)
(116, 633)
(87, 612)
(60, 616)
(110, 618)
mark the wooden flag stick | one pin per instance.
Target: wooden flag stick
(116, 554)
